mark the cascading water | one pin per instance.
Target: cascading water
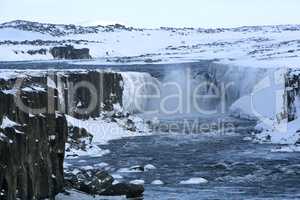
(184, 90)
(137, 89)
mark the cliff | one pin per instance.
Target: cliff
(31, 147)
(34, 130)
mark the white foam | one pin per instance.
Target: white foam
(138, 182)
(194, 181)
(157, 182)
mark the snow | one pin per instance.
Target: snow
(117, 176)
(264, 101)
(101, 165)
(52, 137)
(10, 91)
(266, 46)
(132, 169)
(157, 182)
(50, 83)
(287, 149)
(76, 171)
(102, 130)
(280, 133)
(2, 136)
(149, 167)
(88, 167)
(137, 182)
(267, 104)
(7, 123)
(20, 35)
(194, 181)
(34, 89)
(92, 150)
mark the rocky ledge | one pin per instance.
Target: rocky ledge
(33, 140)
(32, 149)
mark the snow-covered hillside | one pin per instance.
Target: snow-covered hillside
(239, 48)
(258, 46)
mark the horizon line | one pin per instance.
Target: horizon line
(129, 26)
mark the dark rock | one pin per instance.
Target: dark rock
(137, 168)
(130, 125)
(79, 139)
(149, 60)
(130, 190)
(69, 52)
(92, 182)
(108, 92)
(97, 182)
(32, 153)
(40, 51)
(292, 92)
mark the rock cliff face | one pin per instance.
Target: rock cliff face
(292, 83)
(69, 52)
(32, 142)
(31, 148)
(87, 94)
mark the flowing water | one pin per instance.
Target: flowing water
(234, 167)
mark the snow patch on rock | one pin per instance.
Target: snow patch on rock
(7, 123)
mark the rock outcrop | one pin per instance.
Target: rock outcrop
(97, 182)
(69, 52)
(87, 94)
(34, 129)
(31, 147)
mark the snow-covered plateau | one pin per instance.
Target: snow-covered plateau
(256, 46)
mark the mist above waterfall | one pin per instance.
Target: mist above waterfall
(179, 90)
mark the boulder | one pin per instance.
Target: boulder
(97, 182)
(92, 182)
(129, 190)
(69, 52)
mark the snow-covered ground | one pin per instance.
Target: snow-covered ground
(105, 130)
(254, 47)
(258, 46)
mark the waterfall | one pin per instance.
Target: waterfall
(137, 90)
(184, 90)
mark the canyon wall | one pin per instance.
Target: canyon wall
(34, 130)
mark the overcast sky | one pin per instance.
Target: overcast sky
(155, 13)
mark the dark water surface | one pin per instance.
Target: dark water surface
(234, 167)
